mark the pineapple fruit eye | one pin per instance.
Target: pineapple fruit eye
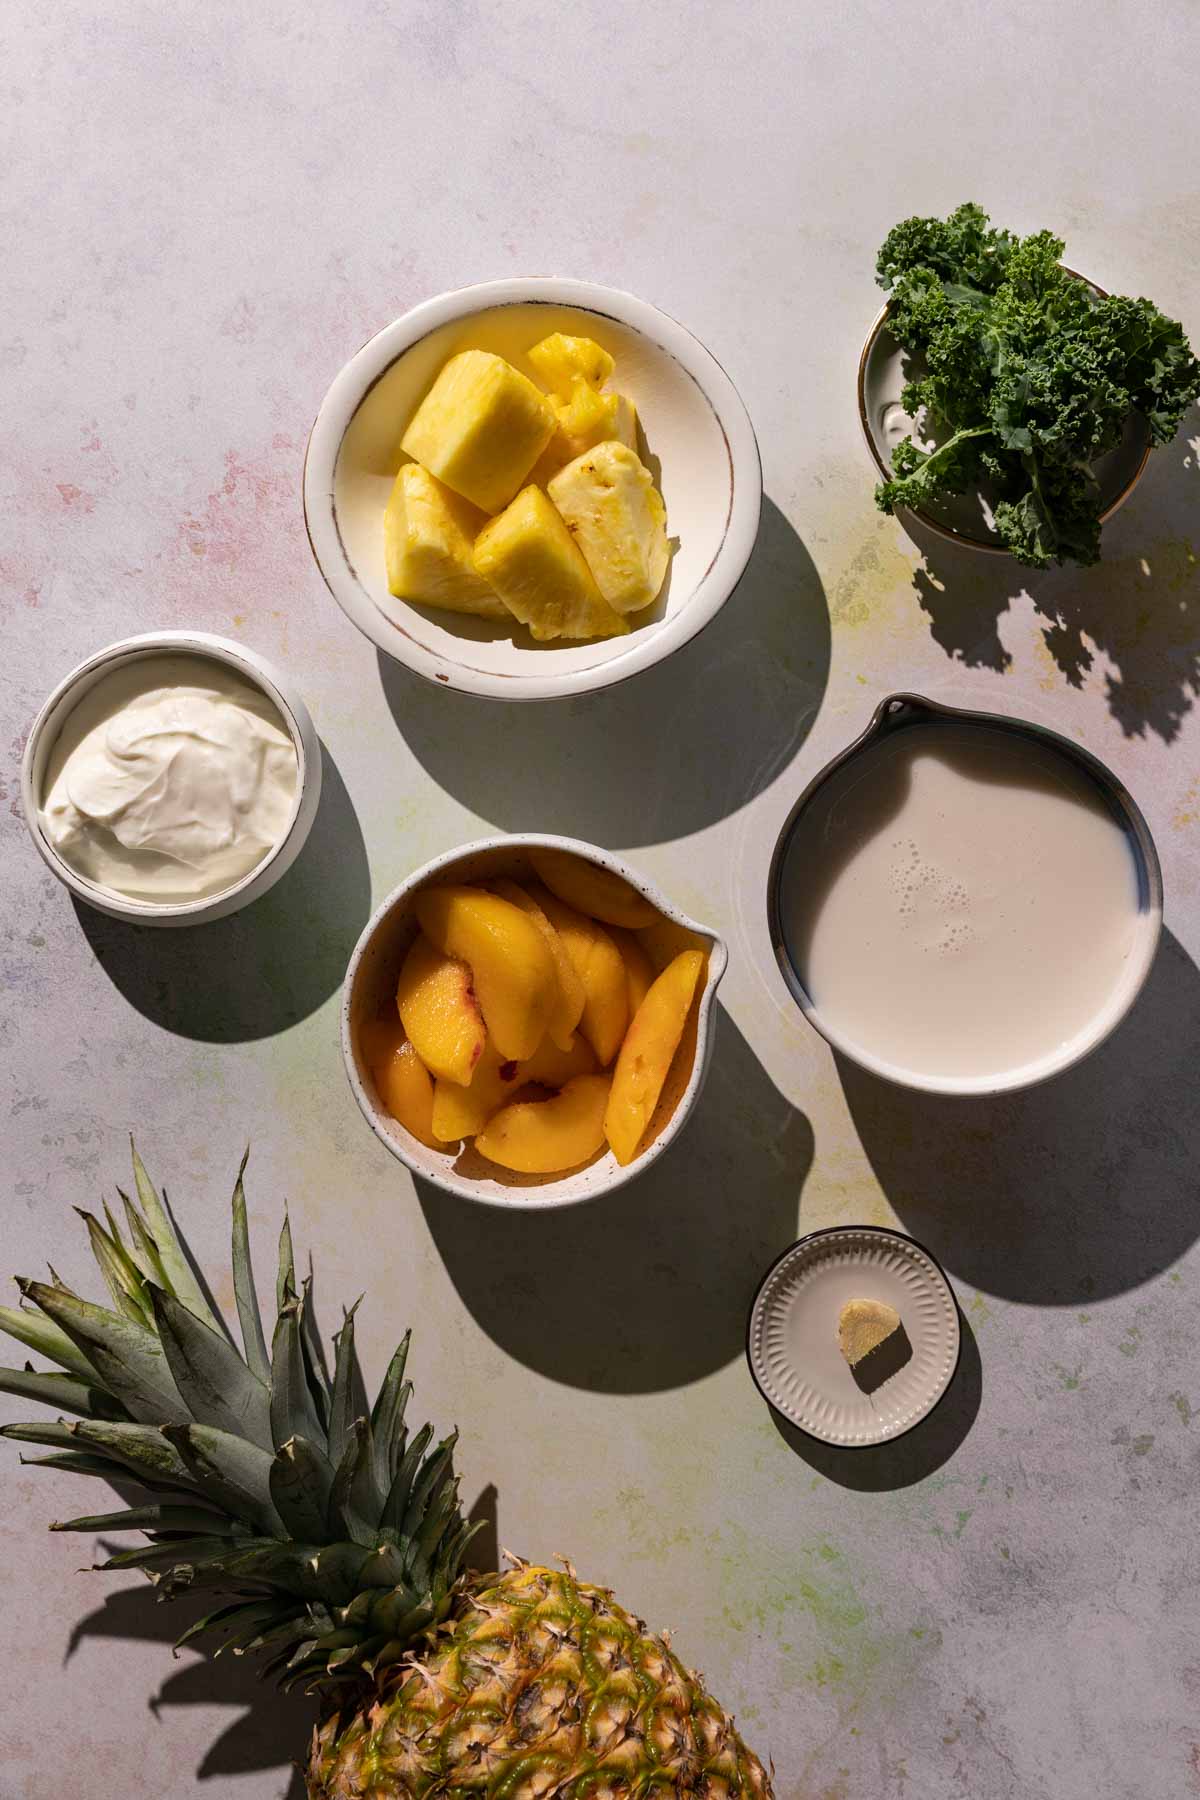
(527, 506)
(540, 1019)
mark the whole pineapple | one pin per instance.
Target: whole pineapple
(336, 1544)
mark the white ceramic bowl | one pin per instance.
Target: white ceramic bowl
(278, 688)
(370, 988)
(697, 430)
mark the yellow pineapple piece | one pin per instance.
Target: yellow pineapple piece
(480, 428)
(584, 421)
(530, 558)
(429, 536)
(616, 515)
(561, 360)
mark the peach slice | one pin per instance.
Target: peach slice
(512, 969)
(600, 968)
(547, 1137)
(460, 1112)
(402, 1081)
(650, 1043)
(639, 970)
(593, 890)
(437, 1006)
(568, 1008)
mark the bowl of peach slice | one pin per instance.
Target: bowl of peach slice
(532, 488)
(527, 1021)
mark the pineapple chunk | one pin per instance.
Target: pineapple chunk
(530, 558)
(561, 361)
(480, 428)
(585, 420)
(429, 534)
(616, 515)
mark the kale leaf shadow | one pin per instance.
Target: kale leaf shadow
(1138, 609)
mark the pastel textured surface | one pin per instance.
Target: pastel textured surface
(208, 214)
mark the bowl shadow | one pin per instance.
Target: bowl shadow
(1138, 609)
(1081, 1187)
(260, 970)
(876, 1468)
(647, 1288)
(665, 753)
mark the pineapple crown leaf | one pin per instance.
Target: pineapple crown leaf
(336, 1538)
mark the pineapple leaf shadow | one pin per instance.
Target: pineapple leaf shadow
(272, 1729)
(658, 756)
(1138, 609)
(647, 1288)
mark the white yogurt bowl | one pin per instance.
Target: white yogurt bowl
(370, 988)
(279, 690)
(698, 434)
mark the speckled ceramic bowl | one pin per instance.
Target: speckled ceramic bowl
(279, 689)
(966, 518)
(369, 991)
(699, 439)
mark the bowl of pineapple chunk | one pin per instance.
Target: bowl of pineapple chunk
(527, 1021)
(532, 489)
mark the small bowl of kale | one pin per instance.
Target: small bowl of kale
(1007, 401)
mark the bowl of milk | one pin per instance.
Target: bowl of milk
(964, 902)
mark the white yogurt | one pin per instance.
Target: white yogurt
(960, 902)
(171, 779)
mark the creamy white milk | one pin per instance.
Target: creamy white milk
(959, 901)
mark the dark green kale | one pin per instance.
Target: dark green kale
(1028, 377)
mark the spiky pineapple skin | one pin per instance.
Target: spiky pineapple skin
(538, 1685)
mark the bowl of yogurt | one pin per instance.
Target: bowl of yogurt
(171, 778)
(964, 902)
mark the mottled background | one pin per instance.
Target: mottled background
(205, 211)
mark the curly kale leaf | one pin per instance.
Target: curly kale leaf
(1027, 376)
(921, 475)
(1056, 519)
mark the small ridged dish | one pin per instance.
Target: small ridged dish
(792, 1338)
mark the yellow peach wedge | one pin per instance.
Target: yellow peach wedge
(568, 1009)
(402, 1081)
(639, 970)
(547, 1137)
(600, 968)
(650, 1044)
(438, 1009)
(590, 889)
(512, 970)
(460, 1112)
